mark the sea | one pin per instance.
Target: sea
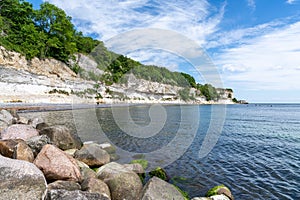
(254, 149)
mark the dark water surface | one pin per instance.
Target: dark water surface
(257, 154)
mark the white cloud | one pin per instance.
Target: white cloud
(290, 1)
(195, 19)
(270, 60)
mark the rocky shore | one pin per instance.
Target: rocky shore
(38, 161)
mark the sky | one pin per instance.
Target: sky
(253, 44)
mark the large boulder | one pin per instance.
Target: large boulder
(19, 131)
(87, 173)
(17, 149)
(57, 165)
(64, 185)
(36, 143)
(73, 195)
(20, 180)
(92, 155)
(62, 137)
(123, 183)
(95, 185)
(157, 189)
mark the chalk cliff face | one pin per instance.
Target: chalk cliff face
(51, 81)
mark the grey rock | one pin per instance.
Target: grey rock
(36, 143)
(95, 185)
(87, 173)
(20, 180)
(157, 189)
(123, 183)
(92, 155)
(64, 185)
(41, 126)
(62, 137)
(35, 121)
(136, 167)
(19, 131)
(6, 117)
(109, 148)
(3, 125)
(22, 120)
(74, 195)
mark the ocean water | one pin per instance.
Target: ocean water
(253, 149)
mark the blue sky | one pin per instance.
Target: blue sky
(254, 44)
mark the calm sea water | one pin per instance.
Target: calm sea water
(257, 152)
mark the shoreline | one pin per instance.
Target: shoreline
(44, 107)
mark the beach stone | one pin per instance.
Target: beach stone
(22, 120)
(20, 180)
(71, 152)
(109, 148)
(220, 190)
(157, 189)
(6, 117)
(87, 173)
(3, 125)
(17, 149)
(36, 143)
(62, 137)
(136, 167)
(94, 185)
(23, 152)
(19, 131)
(57, 165)
(92, 155)
(35, 121)
(123, 183)
(41, 126)
(74, 195)
(65, 185)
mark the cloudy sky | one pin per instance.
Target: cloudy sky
(254, 44)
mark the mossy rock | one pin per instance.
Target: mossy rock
(160, 173)
(220, 189)
(142, 162)
(183, 193)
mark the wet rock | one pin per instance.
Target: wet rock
(94, 185)
(220, 190)
(16, 149)
(57, 165)
(92, 155)
(160, 173)
(157, 189)
(64, 185)
(74, 195)
(36, 143)
(62, 137)
(136, 167)
(20, 180)
(123, 183)
(19, 131)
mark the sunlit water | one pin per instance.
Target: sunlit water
(257, 154)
